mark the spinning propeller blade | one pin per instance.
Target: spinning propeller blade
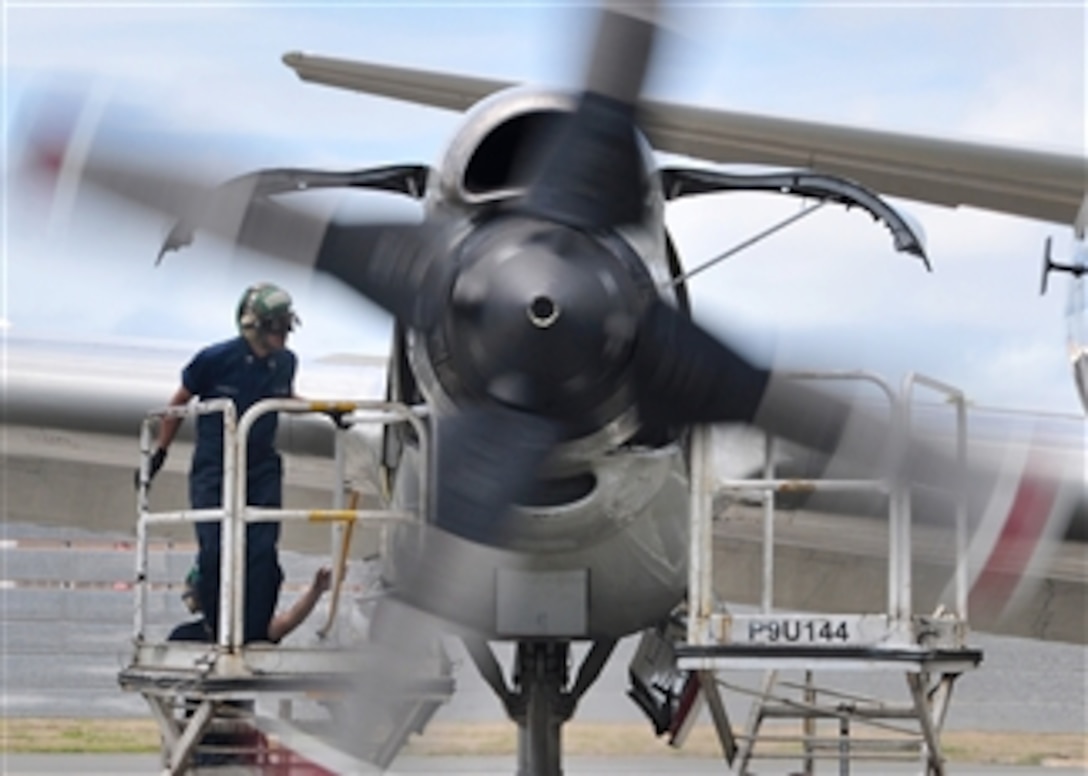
(545, 321)
(590, 175)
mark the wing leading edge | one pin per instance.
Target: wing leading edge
(1034, 184)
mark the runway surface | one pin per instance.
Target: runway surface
(66, 610)
(116, 765)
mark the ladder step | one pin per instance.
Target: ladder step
(790, 711)
(898, 757)
(817, 742)
(854, 745)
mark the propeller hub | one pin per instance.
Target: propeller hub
(542, 317)
(543, 312)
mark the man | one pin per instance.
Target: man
(281, 625)
(252, 366)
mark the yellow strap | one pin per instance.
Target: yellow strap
(332, 406)
(341, 564)
(332, 516)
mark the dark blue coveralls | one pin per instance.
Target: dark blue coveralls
(232, 370)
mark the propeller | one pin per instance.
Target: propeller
(590, 173)
(538, 306)
(544, 324)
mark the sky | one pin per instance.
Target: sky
(827, 292)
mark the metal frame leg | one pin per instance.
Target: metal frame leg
(940, 698)
(808, 725)
(931, 750)
(183, 748)
(755, 720)
(168, 726)
(718, 714)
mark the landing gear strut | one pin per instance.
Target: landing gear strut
(540, 702)
(540, 706)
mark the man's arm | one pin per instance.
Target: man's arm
(168, 428)
(282, 624)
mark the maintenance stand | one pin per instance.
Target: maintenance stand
(210, 699)
(930, 651)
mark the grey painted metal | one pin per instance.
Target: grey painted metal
(451, 92)
(946, 172)
(541, 603)
(1035, 184)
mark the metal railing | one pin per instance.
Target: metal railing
(706, 626)
(235, 513)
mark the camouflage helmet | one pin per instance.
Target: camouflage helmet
(265, 307)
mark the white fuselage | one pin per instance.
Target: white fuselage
(611, 563)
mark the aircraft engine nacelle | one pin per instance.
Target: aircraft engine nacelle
(542, 315)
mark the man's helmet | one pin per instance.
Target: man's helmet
(265, 308)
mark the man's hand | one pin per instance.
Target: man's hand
(338, 417)
(158, 458)
(322, 580)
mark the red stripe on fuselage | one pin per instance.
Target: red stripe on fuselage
(1017, 543)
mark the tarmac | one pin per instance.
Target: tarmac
(66, 623)
(117, 765)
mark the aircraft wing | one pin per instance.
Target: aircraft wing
(438, 90)
(109, 386)
(71, 418)
(1034, 184)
